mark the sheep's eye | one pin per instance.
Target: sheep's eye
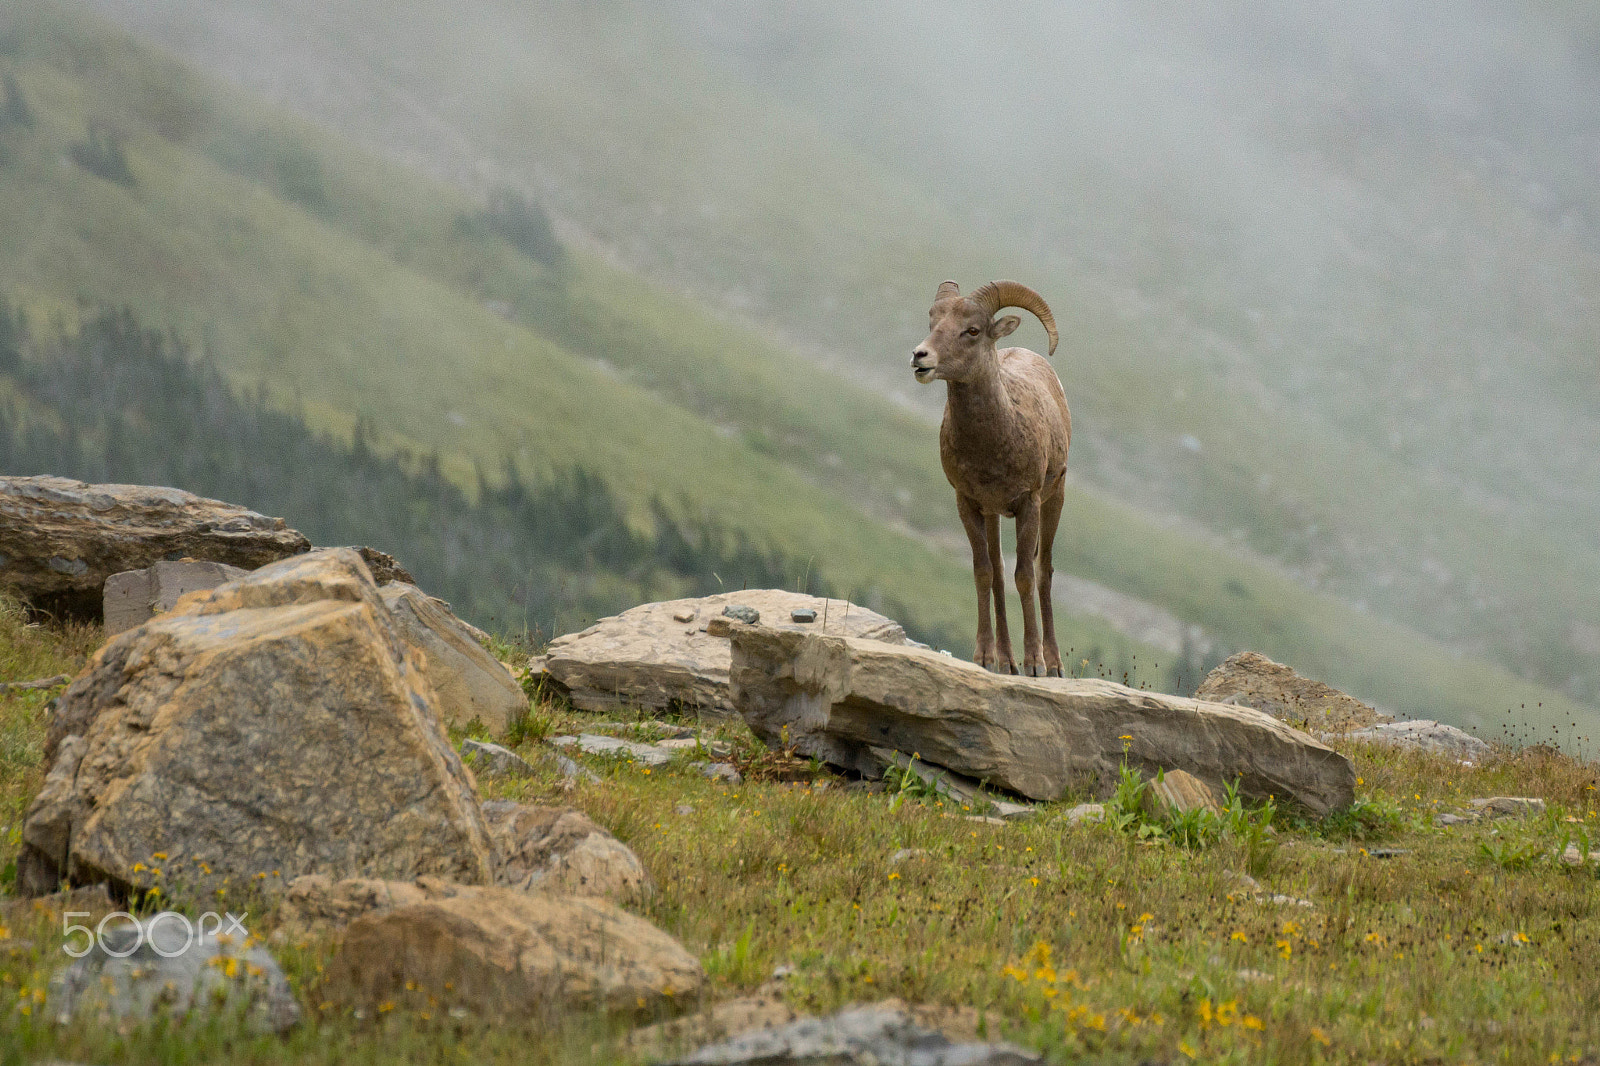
(972, 331)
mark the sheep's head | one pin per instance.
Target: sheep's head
(963, 329)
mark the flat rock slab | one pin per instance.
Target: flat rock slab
(1424, 735)
(590, 744)
(865, 1036)
(1508, 806)
(837, 698)
(471, 685)
(669, 654)
(61, 539)
(1249, 679)
(133, 597)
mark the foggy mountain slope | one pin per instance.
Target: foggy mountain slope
(1318, 446)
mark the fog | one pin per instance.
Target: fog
(1351, 250)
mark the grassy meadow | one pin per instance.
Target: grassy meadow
(1139, 942)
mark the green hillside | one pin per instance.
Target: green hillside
(353, 287)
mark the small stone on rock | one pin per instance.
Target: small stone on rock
(740, 613)
(802, 614)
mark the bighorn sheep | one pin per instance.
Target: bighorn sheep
(1004, 449)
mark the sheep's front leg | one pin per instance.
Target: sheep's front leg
(982, 577)
(1028, 517)
(1003, 662)
(1049, 519)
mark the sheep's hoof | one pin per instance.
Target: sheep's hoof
(1055, 671)
(1033, 670)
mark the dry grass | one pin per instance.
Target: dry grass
(1072, 940)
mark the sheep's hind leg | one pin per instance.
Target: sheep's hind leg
(1003, 662)
(972, 522)
(1049, 518)
(1027, 562)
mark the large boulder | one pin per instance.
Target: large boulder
(501, 953)
(1250, 679)
(60, 539)
(133, 597)
(471, 684)
(837, 698)
(675, 653)
(272, 727)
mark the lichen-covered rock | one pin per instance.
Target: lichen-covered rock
(471, 685)
(1249, 679)
(1425, 735)
(558, 849)
(837, 698)
(272, 727)
(661, 655)
(502, 953)
(60, 539)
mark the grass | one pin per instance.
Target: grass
(1092, 939)
(346, 284)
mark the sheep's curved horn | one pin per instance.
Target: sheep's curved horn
(947, 290)
(998, 294)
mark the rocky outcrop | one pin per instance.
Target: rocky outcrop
(133, 597)
(272, 727)
(860, 1036)
(558, 849)
(60, 539)
(471, 685)
(675, 653)
(836, 698)
(167, 968)
(501, 953)
(1425, 735)
(1252, 680)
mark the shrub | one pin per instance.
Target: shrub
(101, 154)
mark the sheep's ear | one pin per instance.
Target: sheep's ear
(1002, 327)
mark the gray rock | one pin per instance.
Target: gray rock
(1508, 806)
(1444, 821)
(495, 759)
(1426, 735)
(803, 615)
(719, 771)
(742, 613)
(208, 973)
(558, 849)
(61, 539)
(865, 1036)
(1249, 679)
(838, 698)
(590, 744)
(645, 658)
(133, 597)
(276, 724)
(471, 685)
(1093, 813)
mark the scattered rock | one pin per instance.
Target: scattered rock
(1252, 680)
(133, 597)
(765, 1009)
(471, 685)
(1177, 792)
(803, 615)
(1574, 857)
(93, 900)
(863, 1036)
(1426, 735)
(962, 790)
(34, 685)
(1245, 882)
(1444, 821)
(166, 967)
(1287, 901)
(641, 658)
(684, 809)
(558, 849)
(741, 613)
(1093, 813)
(500, 953)
(61, 539)
(902, 854)
(685, 615)
(1508, 806)
(494, 759)
(838, 698)
(1386, 853)
(277, 726)
(715, 747)
(719, 771)
(591, 744)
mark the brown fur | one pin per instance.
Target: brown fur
(1003, 445)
